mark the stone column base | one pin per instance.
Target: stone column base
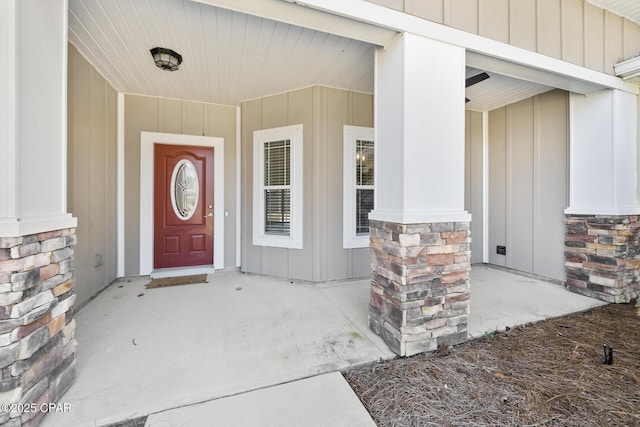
(420, 284)
(602, 256)
(37, 348)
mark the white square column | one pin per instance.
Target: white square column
(37, 234)
(33, 117)
(420, 238)
(602, 222)
(419, 122)
(603, 153)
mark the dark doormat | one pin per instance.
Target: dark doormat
(177, 281)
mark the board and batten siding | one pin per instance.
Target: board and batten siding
(572, 30)
(323, 112)
(528, 183)
(474, 176)
(151, 114)
(91, 174)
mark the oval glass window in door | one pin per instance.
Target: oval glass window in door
(184, 189)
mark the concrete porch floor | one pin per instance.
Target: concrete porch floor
(254, 349)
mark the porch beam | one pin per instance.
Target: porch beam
(306, 17)
(483, 52)
(368, 22)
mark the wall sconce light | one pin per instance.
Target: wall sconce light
(166, 58)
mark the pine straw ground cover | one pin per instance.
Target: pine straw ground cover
(544, 374)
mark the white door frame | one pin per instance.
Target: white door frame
(147, 141)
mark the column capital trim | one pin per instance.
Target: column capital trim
(599, 210)
(15, 227)
(422, 217)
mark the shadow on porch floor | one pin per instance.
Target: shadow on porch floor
(147, 351)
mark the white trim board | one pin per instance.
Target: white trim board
(419, 217)
(120, 215)
(289, 12)
(163, 273)
(147, 141)
(238, 187)
(485, 187)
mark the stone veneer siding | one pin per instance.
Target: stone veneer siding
(420, 284)
(37, 348)
(602, 256)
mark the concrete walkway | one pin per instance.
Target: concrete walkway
(324, 400)
(249, 350)
(500, 299)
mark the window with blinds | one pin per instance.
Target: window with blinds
(277, 187)
(358, 185)
(277, 211)
(364, 185)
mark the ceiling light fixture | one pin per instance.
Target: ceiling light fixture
(166, 58)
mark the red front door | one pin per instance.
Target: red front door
(182, 206)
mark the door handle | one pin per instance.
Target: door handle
(209, 215)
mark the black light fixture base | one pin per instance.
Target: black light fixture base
(166, 59)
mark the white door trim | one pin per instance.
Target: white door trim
(147, 141)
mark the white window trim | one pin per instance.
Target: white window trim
(349, 237)
(260, 137)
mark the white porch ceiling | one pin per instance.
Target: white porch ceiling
(498, 91)
(230, 56)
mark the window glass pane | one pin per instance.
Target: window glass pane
(277, 163)
(277, 212)
(364, 162)
(364, 205)
(184, 189)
